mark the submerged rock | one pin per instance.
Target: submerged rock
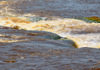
(42, 37)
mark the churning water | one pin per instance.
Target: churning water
(85, 34)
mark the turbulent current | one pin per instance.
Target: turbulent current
(21, 13)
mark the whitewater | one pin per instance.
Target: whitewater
(61, 14)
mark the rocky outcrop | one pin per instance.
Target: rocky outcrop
(40, 50)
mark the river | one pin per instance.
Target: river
(85, 34)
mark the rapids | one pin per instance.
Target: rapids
(15, 13)
(83, 33)
(60, 30)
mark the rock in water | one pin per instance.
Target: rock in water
(36, 37)
(44, 35)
